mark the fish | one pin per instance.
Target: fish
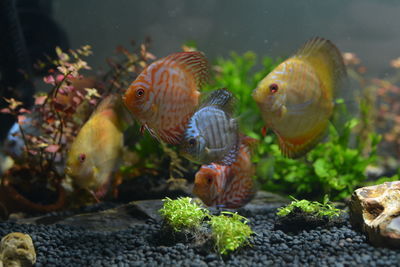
(212, 132)
(95, 152)
(14, 144)
(227, 186)
(297, 98)
(165, 95)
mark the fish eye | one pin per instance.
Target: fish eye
(273, 88)
(140, 92)
(192, 142)
(209, 180)
(81, 158)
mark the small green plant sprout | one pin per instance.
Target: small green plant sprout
(230, 232)
(313, 207)
(183, 213)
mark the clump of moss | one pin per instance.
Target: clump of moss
(312, 207)
(230, 232)
(306, 215)
(182, 213)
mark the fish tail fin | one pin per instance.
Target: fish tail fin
(222, 98)
(327, 61)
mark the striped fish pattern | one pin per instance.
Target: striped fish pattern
(165, 94)
(297, 98)
(212, 133)
(227, 186)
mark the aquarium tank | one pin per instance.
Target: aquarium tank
(199, 133)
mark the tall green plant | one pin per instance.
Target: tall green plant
(237, 74)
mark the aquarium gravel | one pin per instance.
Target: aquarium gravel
(62, 245)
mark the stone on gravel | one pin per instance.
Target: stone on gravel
(114, 219)
(375, 210)
(16, 249)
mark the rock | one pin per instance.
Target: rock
(375, 210)
(114, 219)
(120, 218)
(16, 249)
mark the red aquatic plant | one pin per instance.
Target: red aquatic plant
(379, 105)
(45, 131)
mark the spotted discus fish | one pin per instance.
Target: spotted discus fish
(212, 133)
(94, 154)
(297, 98)
(165, 94)
(227, 186)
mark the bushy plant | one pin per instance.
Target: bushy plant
(52, 123)
(332, 167)
(182, 213)
(313, 207)
(230, 232)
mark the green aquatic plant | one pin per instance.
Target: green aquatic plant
(183, 213)
(332, 167)
(237, 74)
(230, 232)
(313, 207)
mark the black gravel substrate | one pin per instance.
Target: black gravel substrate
(61, 245)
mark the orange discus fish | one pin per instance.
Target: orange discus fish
(165, 94)
(227, 186)
(297, 98)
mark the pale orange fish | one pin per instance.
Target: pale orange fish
(94, 155)
(297, 98)
(227, 186)
(165, 94)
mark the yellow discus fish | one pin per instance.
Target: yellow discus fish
(297, 98)
(94, 154)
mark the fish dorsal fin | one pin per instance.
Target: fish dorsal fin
(107, 102)
(222, 98)
(327, 61)
(195, 63)
(114, 102)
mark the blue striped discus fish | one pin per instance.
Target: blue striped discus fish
(212, 133)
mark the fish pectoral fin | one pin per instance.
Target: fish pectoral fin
(152, 133)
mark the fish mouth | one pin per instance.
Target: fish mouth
(257, 95)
